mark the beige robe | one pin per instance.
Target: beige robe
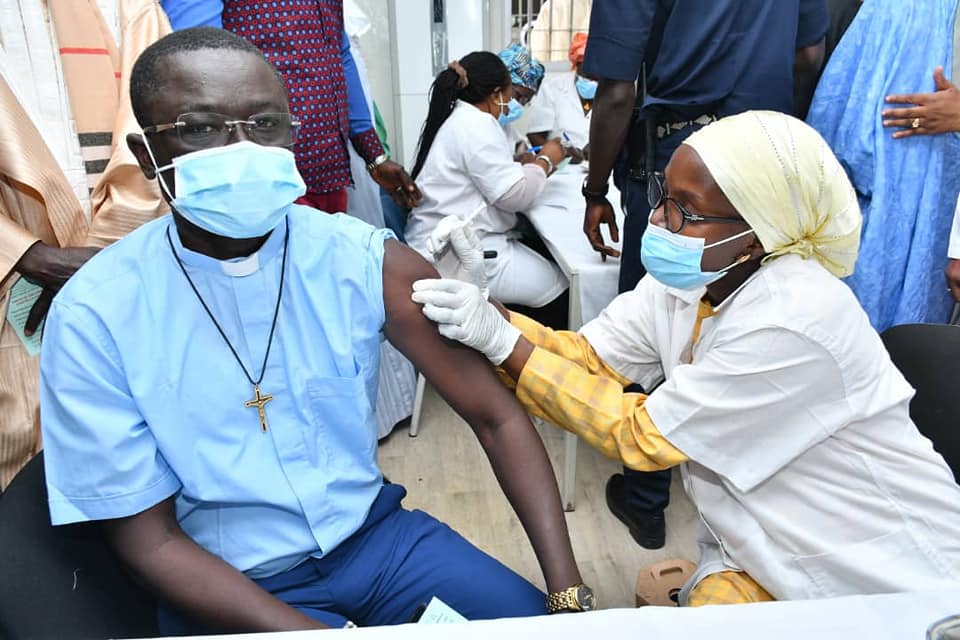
(37, 203)
(552, 31)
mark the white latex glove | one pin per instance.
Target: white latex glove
(462, 313)
(457, 252)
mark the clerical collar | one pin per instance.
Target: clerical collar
(237, 267)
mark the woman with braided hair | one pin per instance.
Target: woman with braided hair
(465, 168)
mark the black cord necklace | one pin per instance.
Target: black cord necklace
(259, 401)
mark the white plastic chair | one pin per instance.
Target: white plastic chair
(417, 406)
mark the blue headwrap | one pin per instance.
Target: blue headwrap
(525, 70)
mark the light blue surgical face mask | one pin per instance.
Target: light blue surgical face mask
(241, 190)
(586, 88)
(675, 260)
(516, 110)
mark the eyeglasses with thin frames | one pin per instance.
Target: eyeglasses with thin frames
(204, 130)
(676, 221)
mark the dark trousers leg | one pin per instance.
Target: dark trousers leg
(645, 491)
(637, 212)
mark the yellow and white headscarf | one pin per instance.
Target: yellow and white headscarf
(782, 177)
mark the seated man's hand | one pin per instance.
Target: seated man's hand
(455, 236)
(463, 313)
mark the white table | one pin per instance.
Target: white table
(903, 616)
(558, 218)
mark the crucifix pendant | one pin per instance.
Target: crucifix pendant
(259, 402)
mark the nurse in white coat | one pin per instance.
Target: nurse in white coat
(564, 104)
(776, 398)
(465, 168)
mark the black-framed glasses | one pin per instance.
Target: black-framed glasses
(203, 130)
(677, 216)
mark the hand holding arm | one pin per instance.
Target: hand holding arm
(463, 313)
(932, 113)
(614, 422)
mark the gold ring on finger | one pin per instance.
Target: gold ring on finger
(915, 124)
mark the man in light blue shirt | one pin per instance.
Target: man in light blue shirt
(208, 383)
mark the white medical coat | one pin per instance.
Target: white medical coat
(556, 108)
(470, 163)
(804, 464)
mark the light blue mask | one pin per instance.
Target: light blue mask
(674, 260)
(516, 110)
(586, 88)
(241, 190)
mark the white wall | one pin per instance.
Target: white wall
(377, 54)
(465, 27)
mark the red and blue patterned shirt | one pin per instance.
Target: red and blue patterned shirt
(306, 42)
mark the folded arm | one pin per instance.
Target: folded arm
(468, 382)
(194, 581)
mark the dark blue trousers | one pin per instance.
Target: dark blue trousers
(397, 561)
(646, 492)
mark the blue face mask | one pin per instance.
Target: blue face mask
(674, 260)
(515, 111)
(586, 88)
(241, 190)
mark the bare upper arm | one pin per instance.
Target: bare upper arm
(461, 375)
(809, 59)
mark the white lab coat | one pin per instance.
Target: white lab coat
(469, 168)
(804, 464)
(556, 108)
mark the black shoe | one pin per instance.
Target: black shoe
(648, 529)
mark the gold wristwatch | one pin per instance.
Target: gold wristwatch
(579, 597)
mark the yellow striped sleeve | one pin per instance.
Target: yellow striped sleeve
(595, 407)
(567, 344)
(727, 587)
